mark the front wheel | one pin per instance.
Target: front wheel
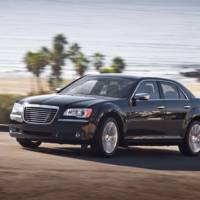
(28, 143)
(191, 144)
(106, 139)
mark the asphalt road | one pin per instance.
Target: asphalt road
(64, 172)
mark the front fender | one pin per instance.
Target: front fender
(110, 109)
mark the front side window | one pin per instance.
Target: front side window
(116, 87)
(169, 90)
(182, 95)
(149, 87)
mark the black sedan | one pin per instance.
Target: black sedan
(107, 111)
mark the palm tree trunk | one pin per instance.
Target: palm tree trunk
(31, 85)
(39, 87)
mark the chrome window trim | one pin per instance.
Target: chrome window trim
(160, 80)
(171, 82)
(26, 105)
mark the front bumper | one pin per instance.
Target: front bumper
(73, 131)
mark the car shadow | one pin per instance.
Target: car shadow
(148, 158)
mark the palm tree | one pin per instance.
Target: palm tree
(35, 63)
(79, 60)
(81, 64)
(118, 64)
(57, 57)
(74, 52)
(98, 60)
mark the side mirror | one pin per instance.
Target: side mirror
(142, 96)
(58, 90)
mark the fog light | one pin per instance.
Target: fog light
(12, 130)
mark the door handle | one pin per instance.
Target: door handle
(187, 107)
(161, 107)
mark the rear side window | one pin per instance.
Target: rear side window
(170, 91)
(149, 87)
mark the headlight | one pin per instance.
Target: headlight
(16, 113)
(78, 112)
(17, 108)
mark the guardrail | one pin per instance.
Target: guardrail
(4, 128)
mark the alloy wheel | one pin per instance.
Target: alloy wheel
(110, 137)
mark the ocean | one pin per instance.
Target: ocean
(155, 37)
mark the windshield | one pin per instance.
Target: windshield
(101, 86)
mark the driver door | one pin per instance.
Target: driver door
(146, 117)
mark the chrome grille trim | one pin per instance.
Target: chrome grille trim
(42, 114)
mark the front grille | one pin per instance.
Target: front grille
(40, 114)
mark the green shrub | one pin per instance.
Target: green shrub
(6, 104)
(107, 70)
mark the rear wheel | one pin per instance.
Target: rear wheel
(106, 139)
(28, 143)
(191, 144)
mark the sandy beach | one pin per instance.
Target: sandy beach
(24, 85)
(194, 88)
(20, 85)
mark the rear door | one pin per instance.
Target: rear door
(177, 105)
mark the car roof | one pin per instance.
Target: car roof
(131, 77)
(114, 75)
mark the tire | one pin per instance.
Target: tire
(191, 143)
(28, 143)
(84, 148)
(105, 141)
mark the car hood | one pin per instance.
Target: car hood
(65, 100)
